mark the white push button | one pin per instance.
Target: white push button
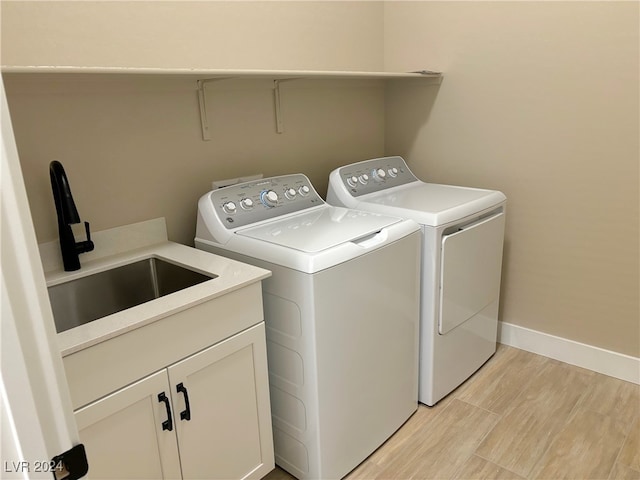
(364, 179)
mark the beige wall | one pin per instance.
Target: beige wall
(539, 100)
(194, 34)
(132, 146)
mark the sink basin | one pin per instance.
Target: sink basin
(85, 299)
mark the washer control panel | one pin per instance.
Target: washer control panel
(375, 175)
(250, 202)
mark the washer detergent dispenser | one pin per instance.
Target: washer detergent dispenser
(463, 235)
(341, 312)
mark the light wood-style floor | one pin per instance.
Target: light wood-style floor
(521, 416)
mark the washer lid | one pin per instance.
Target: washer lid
(433, 204)
(319, 229)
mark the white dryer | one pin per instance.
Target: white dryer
(463, 234)
(341, 314)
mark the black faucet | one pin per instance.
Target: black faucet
(67, 215)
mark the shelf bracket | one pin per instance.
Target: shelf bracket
(276, 104)
(202, 102)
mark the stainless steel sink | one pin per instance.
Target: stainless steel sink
(95, 296)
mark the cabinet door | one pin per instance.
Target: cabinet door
(228, 434)
(124, 436)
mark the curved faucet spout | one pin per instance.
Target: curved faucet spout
(67, 215)
(65, 206)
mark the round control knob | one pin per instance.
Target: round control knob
(290, 193)
(269, 198)
(229, 207)
(352, 181)
(393, 172)
(364, 179)
(246, 203)
(379, 174)
(304, 190)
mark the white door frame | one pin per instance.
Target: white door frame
(37, 417)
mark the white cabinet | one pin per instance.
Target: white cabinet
(206, 417)
(123, 433)
(228, 434)
(217, 351)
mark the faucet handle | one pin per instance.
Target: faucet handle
(87, 245)
(86, 229)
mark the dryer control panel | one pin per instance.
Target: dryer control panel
(375, 175)
(258, 200)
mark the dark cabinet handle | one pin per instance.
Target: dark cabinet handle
(186, 413)
(168, 423)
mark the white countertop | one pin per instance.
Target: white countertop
(231, 275)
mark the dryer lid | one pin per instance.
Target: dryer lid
(319, 229)
(433, 204)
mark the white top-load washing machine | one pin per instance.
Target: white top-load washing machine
(463, 234)
(341, 314)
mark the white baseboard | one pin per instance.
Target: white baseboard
(613, 364)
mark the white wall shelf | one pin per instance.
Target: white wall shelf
(224, 73)
(205, 75)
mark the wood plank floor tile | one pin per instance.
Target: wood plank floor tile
(477, 468)
(630, 455)
(414, 430)
(586, 448)
(444, 447)
(365, 471)
(622, 472)
(613, 397)
(540, 411)
(496, 385)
